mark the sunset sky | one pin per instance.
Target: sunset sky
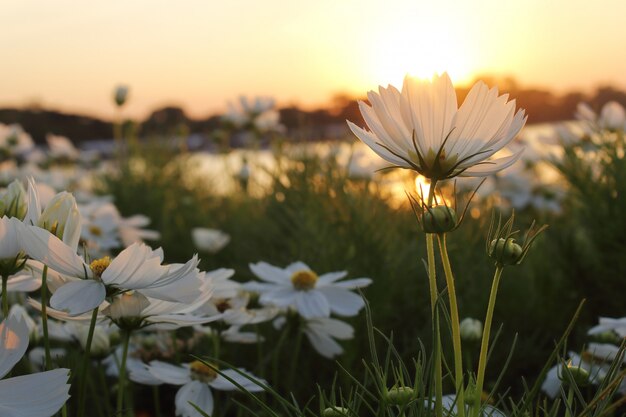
(70, 54)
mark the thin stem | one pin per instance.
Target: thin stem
(456, 331)
(484, 345)
(432, 282)
(121, 386)
(569, 407)
(294, 359)
(157, 400)
(86, 359)
(44, 316)
(5, 299)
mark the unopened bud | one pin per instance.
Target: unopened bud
(471, 329)
(505, 251)
(400, 396)
(439, 219)
(335, 412)
(121, 94)
(580, 375)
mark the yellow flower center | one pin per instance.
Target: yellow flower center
(304, 280)
(99, 265)
(200, 371)
(95, 230)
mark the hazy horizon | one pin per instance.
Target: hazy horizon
(198, 55)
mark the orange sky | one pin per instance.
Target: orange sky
(200, 53)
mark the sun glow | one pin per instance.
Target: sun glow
(436, 47)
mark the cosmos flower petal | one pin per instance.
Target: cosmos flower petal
(223, 384)
(78, 297)
(170, 374)
(374, 143)
(17, 399)
(197, 393)
(269, 273)
(324, 344)
(312, 303)
(14, 336)
(331, 277)
(354, 283)
(492, 166)
(342, 301)
(48, 249)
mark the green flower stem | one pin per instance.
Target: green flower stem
(121, 385)
(157, 401)
(44, 316)
(570, 401)
(432, 281)
(5, 299)
(295, 357)
(456, 328)
(83, 371)
(484, 345)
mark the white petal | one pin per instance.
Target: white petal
(197, 393)
(44, 247)
(223, 384)
(36, 395)
(14, 335)
(354, 283)
(492, 166)
(343, 302)
(331, 277)
(78, 297)
(312, 303)
(170, 374)
(269, 273)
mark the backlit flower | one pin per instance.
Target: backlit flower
(421, 128)
(297, 286)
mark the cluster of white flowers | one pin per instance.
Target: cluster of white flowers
(258, 114)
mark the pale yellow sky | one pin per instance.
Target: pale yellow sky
(70, 54)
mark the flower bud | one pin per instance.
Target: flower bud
(471, 329)
(439, 219)
(580, 375)
(121, 95)
(62, 218)
(13, 201)
(400, 396)
(505, 251)
(209, 240)
(126, 310)
(335, 412)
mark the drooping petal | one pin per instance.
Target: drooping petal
(13, 342)
(78, 297)
(197, 393)
(36, 395)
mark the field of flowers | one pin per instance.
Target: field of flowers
(445, 260)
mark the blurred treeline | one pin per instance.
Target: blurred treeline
(326, 123)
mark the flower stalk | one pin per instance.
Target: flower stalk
(432, 281)
(122, 377)
(81, 395)
(484, 345)
(44, 316)
(456, 328)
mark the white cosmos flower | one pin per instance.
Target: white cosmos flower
(61, 148)
(450, 406)
(16, 394)
(134, 310)
(421, 128)
(297, 286)
(197, 379)
(606, 324)
(210, 240)
(136, 267)
(612, 117)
